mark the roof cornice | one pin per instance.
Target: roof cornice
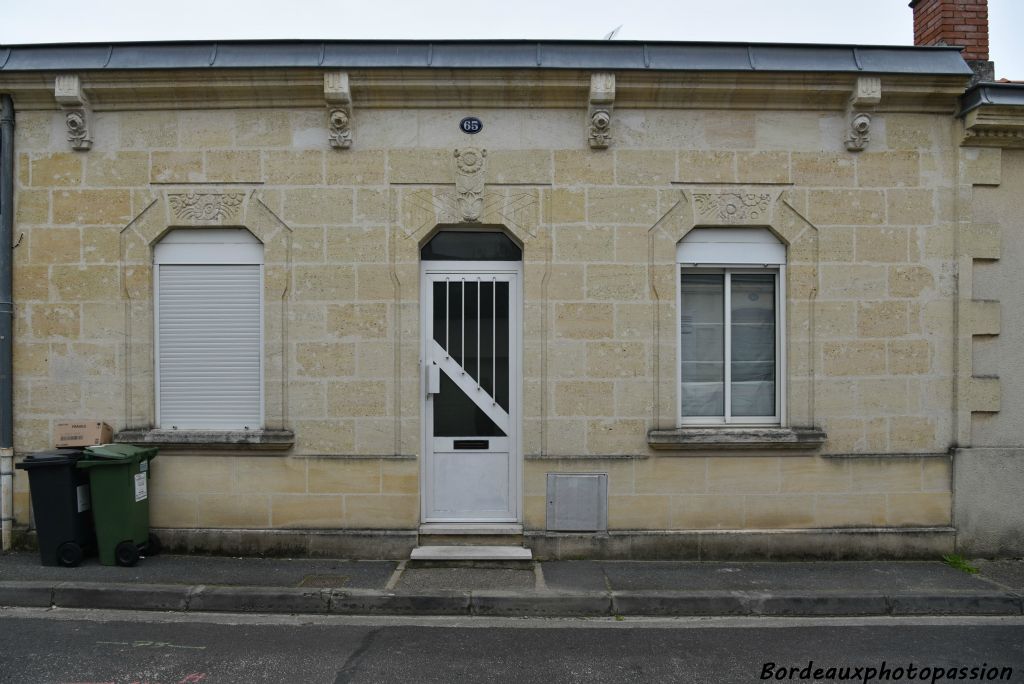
(485, 54)
(993, 115)
(396, 88)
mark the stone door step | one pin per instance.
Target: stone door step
(471, 553)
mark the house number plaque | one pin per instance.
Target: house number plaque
(471, 125)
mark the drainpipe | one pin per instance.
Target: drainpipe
(6, 318)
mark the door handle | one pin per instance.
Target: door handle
(433, 378)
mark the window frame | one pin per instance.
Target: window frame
(207, 247)
(727, 269)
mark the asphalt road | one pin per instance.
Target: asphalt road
(69, 646)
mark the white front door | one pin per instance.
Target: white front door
(471, 380)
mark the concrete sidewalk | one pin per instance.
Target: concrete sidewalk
(555, 588)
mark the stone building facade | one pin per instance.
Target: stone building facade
(607, 165)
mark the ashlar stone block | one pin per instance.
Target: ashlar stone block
(92, 207)
(357, 398)
(397, 511)
(584, 398)
(616, 359)
(583, 167)
(616, 282)
(306, 511)
(855, 358)
(707, 512)
(584, 321)
(744, 475)
(645, 167)
(925, 508)
(345, 476)
(233, 511)
(848, 510)
(57, 170)
(779, 511)
(671, 476)
(882, 319)
(325, 359)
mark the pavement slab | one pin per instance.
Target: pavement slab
(444, 579)
(1005, 573)
(208, 570)
(569, 588)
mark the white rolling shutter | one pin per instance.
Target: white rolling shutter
(209, 346)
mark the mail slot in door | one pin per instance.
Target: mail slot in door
(475, 444)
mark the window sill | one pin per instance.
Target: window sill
(265, 440)
(733, 438)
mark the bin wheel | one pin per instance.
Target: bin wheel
(69, 554)
(126, 553)
(154, 546)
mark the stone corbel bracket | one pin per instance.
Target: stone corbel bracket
(77, 114)
(867, 93)
(599, 115)
(339, 107)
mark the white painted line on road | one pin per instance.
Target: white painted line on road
(97, 615)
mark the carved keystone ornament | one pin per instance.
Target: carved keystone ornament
(469, 182)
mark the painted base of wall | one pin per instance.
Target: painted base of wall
(988, 491)
(824, 544)
(904, 543)
(354, 544)
(749, 545)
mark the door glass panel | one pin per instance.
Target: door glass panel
(455, 414)
(703, 344)
(439, 320)
(500, 351)
(471, 323)
(753, 344)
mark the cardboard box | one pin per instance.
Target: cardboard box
(76, 433)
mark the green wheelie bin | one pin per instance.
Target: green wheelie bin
(118, 477)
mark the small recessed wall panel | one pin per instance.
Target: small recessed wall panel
(577, 502)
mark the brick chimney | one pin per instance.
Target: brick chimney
(956, 22)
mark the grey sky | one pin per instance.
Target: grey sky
(870, 22)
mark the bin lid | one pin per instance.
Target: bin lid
(120, 452)
(47, 459)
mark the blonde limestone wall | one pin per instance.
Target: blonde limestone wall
(870, 312)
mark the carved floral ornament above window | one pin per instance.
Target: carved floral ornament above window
(733, 206)
(201, 206)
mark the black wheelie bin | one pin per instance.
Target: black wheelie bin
(61, 504)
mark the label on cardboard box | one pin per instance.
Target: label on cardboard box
(82, 433)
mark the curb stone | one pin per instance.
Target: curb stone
(121, 597)
(670, 603)
(258, 600)
(513, 604)
(26, 594)
(956, 604)
(203, 598)
(369, 602)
